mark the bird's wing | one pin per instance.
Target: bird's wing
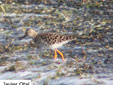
(51, 38)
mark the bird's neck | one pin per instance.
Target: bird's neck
(34, 35)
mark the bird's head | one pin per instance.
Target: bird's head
(29, 32)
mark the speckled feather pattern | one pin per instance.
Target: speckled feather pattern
(50, 40)
(53, 38)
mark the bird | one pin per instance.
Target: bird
(50, 40)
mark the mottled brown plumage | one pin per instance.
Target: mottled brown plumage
(50, 40)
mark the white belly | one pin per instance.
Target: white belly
(57, 45)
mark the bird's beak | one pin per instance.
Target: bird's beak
(20, 38)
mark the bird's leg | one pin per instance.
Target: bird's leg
(55, 55)
(60, 54)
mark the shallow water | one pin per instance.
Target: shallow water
(21, 60)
